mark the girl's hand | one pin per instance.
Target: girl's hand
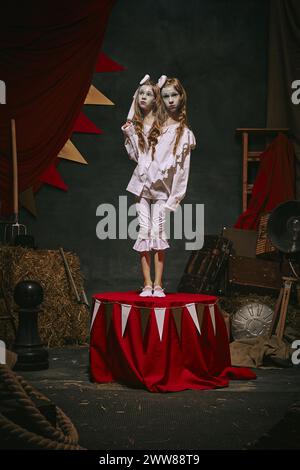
(127, 124)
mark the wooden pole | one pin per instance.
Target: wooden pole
(15, 169)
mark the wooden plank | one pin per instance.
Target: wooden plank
(254, 130)
(245, 169)
(255, 155)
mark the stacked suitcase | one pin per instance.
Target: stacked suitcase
(229, 263)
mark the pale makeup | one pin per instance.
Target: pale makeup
(146, 98)
(171, 98)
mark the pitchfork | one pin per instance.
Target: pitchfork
(14, 228)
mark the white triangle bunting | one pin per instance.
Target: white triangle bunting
(125, 314)
(160, 319)
(193, 313)
(212, 316)
(95, 311)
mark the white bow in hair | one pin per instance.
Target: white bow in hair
(131, 110)
(146, 77)
(161, 81)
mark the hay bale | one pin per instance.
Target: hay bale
(62, 320)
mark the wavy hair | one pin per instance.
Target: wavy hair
(181, 112)
(138, 119)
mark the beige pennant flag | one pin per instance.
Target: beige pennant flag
(200, 313)
(145, 315)
(160, 313)
(27, 200)
(108, 315)
(95, 311)
(95, 96)
(212, 316)
(193, 314)
(125, 310)
(70, 152)
(177, 316)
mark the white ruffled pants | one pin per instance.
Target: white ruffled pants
(152, 219)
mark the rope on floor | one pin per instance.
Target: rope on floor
(30, 428)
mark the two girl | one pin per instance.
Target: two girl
(158, 139)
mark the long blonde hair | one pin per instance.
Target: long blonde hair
(157, 123)
(181, 117)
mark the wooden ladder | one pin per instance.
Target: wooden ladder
(251, 156)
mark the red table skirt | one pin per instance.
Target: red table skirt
(162, 344)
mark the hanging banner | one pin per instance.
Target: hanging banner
(144, 315)
(106, 64)
(95, 311)
(53, 178)
(95, 96)
(85, 125)
(125, 310)
(177, 316)
(196, 312)
(193, 313)
(108, 309)
(70, 152)
(212, 316)
(160, 319)
(200, 313)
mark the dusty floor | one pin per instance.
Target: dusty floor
(112, 416)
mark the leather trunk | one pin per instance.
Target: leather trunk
(256, 275)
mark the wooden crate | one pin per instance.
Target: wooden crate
(256, 275)
(264, 246)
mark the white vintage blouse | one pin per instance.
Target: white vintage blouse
(166, 176)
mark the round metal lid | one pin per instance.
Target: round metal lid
(251, 320)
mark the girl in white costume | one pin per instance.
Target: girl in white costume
(163, 160)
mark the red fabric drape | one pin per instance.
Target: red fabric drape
(274, 183)
(191, 360)
(47, 57)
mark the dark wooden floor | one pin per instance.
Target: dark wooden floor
(112, 416)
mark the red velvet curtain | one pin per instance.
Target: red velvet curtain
(48, 55)
(274, 183)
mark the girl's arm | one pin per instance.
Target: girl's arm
(179, 184)
(181, 176)
(131, 141)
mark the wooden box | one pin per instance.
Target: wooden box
(256, 275)
(243, 241)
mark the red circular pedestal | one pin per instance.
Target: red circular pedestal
(164, 344)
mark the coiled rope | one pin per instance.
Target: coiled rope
(16, 394)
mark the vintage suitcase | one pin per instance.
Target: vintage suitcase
(206, 268)
(256, 275)
(243, 241)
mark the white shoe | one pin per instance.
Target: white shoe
(158, 292)
(146, 292)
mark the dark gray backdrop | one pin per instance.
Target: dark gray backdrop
(218, 48)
